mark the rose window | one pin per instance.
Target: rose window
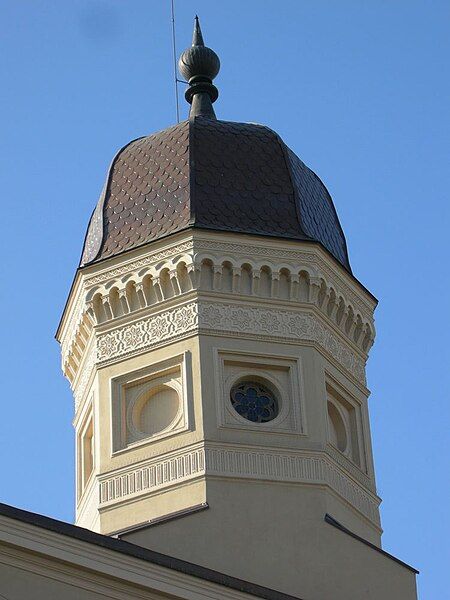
(254, 401)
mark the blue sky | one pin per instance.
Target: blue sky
(359, 90)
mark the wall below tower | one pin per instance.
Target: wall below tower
(276, 537)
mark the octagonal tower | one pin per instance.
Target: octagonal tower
(215, 340)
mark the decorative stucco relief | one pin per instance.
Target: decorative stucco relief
(276, 323)
(147, 332)
(221, 318)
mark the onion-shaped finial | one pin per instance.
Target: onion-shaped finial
(199, 65)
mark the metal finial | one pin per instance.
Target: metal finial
(199, 65)
(197, 37)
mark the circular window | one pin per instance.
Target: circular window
(254, 401)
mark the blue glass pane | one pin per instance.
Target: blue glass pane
(254, 401)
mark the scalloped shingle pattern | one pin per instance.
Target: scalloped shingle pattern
(148, 191)
(319, 219)
(210, 174)
(241, 180)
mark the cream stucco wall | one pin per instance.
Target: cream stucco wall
(276, 536)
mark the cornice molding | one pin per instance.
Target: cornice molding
(153, 278)
(315, 257)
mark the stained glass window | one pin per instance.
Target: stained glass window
(254, 401)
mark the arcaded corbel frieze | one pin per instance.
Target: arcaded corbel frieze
(314, 260)
(343, 322)
(156, 281)
(85, 374)
(173, 278)
(334, 308)
(91, 312)
(107, 307)
(328, 299)
(123, 300)
(353, 326)
(72, 354)
(83, 333)
(77, 354)
(116, 303)
(69, 370)
(150, 259)
(294, 279)
(72, 319)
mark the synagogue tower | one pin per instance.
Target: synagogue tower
(215, 339)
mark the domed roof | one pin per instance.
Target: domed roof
(209, 174)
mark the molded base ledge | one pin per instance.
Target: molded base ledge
(159, 520)
(162, 476)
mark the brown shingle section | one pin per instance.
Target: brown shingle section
(148, 192)
(216, 175)
(242, 183)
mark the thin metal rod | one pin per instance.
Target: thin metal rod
(174, 49)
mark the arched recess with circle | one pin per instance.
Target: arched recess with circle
(154, 411)
(337, 428)
(152, 403)
(345, 426)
